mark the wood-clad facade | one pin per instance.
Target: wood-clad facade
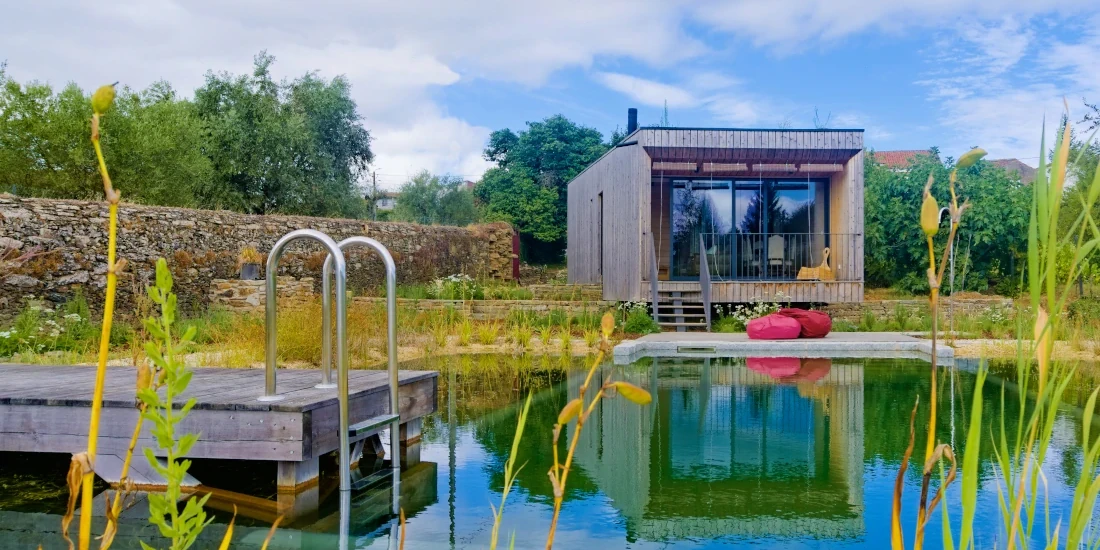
(772, 201)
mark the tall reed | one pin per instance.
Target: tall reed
(1020, 449)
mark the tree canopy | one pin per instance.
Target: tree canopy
(992, 237)
(435, 200)
(528, 185)
(246, 143)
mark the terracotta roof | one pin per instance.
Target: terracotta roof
(1027, 173)
(896, 160)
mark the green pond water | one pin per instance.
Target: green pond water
(731, 452)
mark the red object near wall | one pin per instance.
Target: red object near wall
(773, 327)
(775, 367)
(515, 255)
(815, 324)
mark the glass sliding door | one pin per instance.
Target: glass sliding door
(795, 228)
(750, 229)
(749, 211)
(701, 209)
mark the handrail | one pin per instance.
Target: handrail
(704, 279)
(391, 350)
(653, 275)
(270, 304)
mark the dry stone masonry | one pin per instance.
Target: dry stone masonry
(69, 240)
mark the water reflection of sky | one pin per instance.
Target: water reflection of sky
(781, 436)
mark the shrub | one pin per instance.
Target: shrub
(1084, 309)
(734, 318)
(639, 322)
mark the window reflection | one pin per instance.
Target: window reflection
(750, 229)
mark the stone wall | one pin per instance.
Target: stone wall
(70, 238)
(567, 292)
(239, 295)
(887, 308)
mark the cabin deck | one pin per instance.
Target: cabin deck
(46, 408)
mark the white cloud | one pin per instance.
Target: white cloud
(395, 54)
(1003, 82)
(721, 97)
(647, 92)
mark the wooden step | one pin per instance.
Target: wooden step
(364, 428)
(700, 324)
(688, 315)
(679, 306)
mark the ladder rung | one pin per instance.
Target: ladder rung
(360, 482)
(371, 424)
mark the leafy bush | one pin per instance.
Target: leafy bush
(456, 287)
(639, 322)
(1084, 309)
(39, 328)
(734, 318)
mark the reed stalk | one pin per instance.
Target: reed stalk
(575, 409)
(101, 101)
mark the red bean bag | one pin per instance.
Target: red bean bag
(813, 370)
(775, 367)
(773, 327)
(815, 324)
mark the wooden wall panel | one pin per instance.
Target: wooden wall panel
(623, 177)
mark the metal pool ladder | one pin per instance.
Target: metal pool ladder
(336, 264)
(359, 430)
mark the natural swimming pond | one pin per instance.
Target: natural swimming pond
(789, 454)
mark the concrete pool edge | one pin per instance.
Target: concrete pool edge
(850, 344)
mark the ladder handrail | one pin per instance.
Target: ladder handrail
(653, 275)
(271, 330)
(704, 279)
(391, 350)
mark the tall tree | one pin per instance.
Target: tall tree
(533, 168)
(435, 200)
(292, 147)
(152, 137)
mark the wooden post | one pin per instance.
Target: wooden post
(410, 431)
(295, 476)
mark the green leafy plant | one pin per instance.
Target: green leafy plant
(565, 341)
(465, 332)
(165, 413)
(487, 333)
(591, 338)
(577, 410)
(546, 332)
(639, 322)
(510, 473)
(1020, 450)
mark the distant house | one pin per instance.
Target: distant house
(1026, 173)
(386, 201)
(900, 161)
(753, 207)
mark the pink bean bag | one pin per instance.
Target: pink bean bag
(773, 327)
(775, 367)
(815, 324)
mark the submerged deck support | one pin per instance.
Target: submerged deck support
(296, 476)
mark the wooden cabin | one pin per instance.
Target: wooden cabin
(749, 214)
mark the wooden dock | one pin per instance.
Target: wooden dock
(46, 408)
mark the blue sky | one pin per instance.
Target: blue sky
(432, 79)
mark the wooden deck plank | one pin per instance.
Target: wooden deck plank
(46, 409)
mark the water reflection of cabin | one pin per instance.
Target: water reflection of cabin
(727, 451)
(762, 205)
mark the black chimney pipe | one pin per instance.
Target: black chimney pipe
(631, 120)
